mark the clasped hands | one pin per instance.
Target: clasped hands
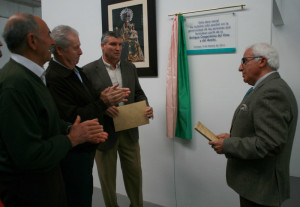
(87, 131)
(114, 95)
(218, 144)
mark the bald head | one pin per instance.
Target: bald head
(16, 30)
(29, 36)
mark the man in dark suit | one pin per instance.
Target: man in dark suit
(259, 145)
(103, 73)
(33, 139)
(74, 95)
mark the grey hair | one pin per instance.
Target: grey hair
(108, 34)
(269, 52)
(15, 32)
(60, 35)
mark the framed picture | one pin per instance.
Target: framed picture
(135, 21)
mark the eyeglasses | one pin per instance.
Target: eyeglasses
(245, 59)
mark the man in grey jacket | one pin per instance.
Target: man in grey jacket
(103, 73)
(259, 145)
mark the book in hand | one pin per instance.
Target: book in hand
(205, 131)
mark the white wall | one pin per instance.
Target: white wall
(178, 172)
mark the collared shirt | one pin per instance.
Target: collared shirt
(262, 78)
(114, 73)
(59, 63)
(75, 69)
(30, 65)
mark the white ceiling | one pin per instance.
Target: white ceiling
(32, 3)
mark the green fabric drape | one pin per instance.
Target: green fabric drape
(183, 124)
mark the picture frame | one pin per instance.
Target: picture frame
(135, 20)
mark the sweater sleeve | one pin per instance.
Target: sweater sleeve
(31, 136)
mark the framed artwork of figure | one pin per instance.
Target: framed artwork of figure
(135, 21)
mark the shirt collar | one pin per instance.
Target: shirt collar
(60, 63)
(62, 69)
(30, 65)
(107, 65)
(262, 78)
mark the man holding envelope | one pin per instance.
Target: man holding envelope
(102, 73)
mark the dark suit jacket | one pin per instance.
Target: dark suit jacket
(260, 145)
(73, 98)
(98, 75)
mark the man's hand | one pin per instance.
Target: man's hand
(218, 144)
(112, 111)
(223, 135)
(114, 95)
(149, 112)
(87, 131)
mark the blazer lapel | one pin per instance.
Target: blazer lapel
(270, 77)
(102, 73)
(124, 73)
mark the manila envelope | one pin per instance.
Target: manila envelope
(205, 131)
(130, 116)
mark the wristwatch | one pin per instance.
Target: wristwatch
(69, 128)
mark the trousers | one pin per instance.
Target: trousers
(130, 159)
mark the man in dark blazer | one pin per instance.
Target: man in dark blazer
(74, 95)
(259, 145)
(33, 139)
(103, 73)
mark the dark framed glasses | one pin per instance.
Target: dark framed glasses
(245, 59)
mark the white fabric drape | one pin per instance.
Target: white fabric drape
(171, 93)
